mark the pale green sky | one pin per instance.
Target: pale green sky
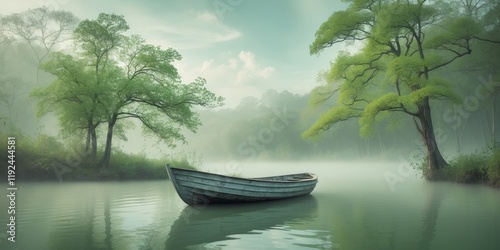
(242, 47)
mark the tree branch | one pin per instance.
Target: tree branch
(486, 40)
(451, 60)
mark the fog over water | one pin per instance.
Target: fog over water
(260, 72)
(352, 207)
(250, 89)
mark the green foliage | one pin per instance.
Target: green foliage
(421, 163)
(457, 30)
(367, 120)
(133, 167)
(115, 77)
(34, 156)
(341, 26)
(97, 37)
(71, 95)
(402, 43)
(186, 161)
(125, 166)
(466, 169)
(47, 150)
(479, 167)
(407, 68)
(493, 168)
(321, 94)
(435, 88)
(38, 159)
(336, 114)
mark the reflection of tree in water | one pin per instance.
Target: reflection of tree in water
(89, 221)
(378, 221)
(151, 237)
(431, 212)
(107, 222)
(350, 223)
(67, 233)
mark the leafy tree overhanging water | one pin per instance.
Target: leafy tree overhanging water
(403, 44)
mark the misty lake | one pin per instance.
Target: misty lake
(354, 206)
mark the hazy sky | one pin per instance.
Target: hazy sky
(242, 47)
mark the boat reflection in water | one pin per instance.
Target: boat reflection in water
(259, 225)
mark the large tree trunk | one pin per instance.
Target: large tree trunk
(93, 152)
(435, 160)
(87, 142)
(91, 144)
(109, 137)
(494, 142)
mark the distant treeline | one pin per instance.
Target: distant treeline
(270, 127)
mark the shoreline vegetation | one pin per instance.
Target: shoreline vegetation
(47, 159)
(109, 80)
(481, 167)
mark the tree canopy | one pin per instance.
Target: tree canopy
(114, 77)
(42, 29)
(398, 45)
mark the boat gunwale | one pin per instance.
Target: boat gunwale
(193, 184)
(314, 177)
(250, 183)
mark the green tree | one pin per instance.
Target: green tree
(72, 96)
(116, 77)
(7, 83)
(42, 29)
(403, 43)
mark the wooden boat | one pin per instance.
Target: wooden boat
(201, 188)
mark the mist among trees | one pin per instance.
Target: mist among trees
(415, 76)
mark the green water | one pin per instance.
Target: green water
(354, 206)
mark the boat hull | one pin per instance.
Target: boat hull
(201, 188)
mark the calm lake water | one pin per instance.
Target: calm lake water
(354, 206)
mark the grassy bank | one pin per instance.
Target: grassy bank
(480, 167)
(46, 158)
